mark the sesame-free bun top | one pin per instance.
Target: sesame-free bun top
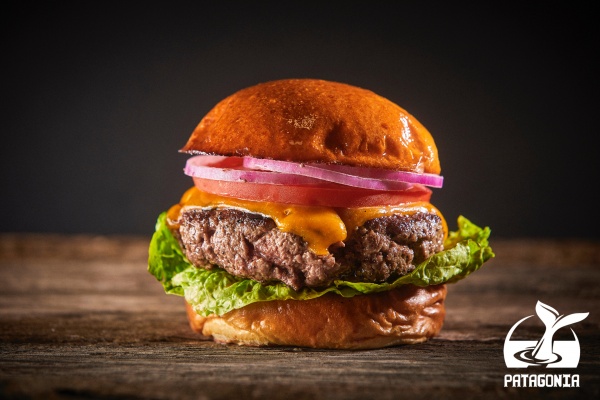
(310, 120)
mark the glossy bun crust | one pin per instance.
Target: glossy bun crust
(405, 315)
(309, 120)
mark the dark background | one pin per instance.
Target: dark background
(98, 98)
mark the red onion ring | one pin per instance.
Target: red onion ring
(231, 169)
(368, 178)
(249, 169)
(431, 180)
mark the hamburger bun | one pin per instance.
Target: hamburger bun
(311, 120)
(406, 315)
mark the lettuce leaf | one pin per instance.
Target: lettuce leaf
(217, 292)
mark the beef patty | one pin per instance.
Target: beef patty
(250, 245)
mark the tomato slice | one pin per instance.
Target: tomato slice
(325, 194)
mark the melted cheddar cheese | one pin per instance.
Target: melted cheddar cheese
(320, 226)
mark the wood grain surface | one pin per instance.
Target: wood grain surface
(81, 318)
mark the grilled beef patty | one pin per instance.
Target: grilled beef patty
(250, 245)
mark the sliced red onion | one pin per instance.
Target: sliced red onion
(232, 169)
(432, 180)
(369, 178)
(248, 169)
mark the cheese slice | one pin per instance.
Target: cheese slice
(319, 226)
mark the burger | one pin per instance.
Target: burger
(309, 222)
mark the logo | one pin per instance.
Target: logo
(546, 351)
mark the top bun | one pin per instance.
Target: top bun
(310, 120)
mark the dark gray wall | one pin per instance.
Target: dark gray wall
(98, 99)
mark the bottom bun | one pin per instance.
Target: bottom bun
(406, 315)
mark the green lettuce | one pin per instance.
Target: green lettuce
(215, 291)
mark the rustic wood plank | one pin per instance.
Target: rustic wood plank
(81, 318)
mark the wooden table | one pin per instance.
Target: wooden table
(81, 318)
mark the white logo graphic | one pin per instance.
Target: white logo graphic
(546, 351)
